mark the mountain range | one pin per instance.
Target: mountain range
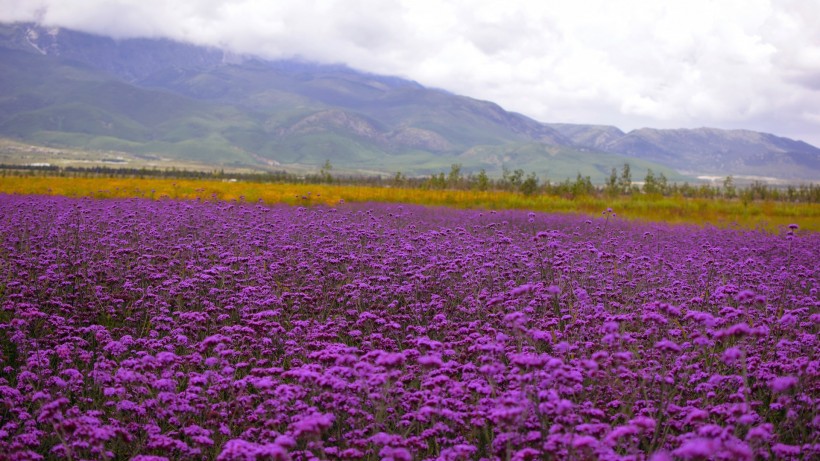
(156, 98)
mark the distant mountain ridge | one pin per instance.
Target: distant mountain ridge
(748, 152)
(157, 96)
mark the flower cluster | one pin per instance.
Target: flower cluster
(151, 330)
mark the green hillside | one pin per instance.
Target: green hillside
(167, 100)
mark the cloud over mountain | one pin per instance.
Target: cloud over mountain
(161, 97)
(731, 64)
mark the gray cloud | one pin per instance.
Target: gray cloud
(631, 63)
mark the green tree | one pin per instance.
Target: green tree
(650, 183)
(399, 179)
(663, 184)
(625, 181)
(611, 187)
(729, 190)
(482, 180)
(511, 180)
(454, 178)
(530, 185)
(517, 177)
(438, 181)
(582, 186)
(324, 172)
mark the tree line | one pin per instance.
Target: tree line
(618, 183)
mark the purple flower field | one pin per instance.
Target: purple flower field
(150, 330)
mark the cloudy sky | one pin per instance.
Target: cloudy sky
(630, 63)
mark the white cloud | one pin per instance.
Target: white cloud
(630, 63)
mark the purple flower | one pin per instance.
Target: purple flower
(645, 423)
(241, 450)
(584, 441)
(53, 410)
(732, 355)
(784, 450)
(762, 432)
(395, 454)
(745, 296)
(662, 455)
(699, 448)
(782, 384)
(460, 452)
(620, 432)
(431, 361)
(523, 289)
(667, 345)
(313, 424)
(390, 360)
(526, 454)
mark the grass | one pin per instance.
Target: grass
(768, 215)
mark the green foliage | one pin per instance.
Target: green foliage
(612, 187)
(324, 172)
(399, 179)
(511, 180)
(438, 181)
(652, 184)
(729, 189)
(625, 180)
(454, 177)
(482, 181)
(530, 185)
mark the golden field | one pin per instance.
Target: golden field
(769, 215)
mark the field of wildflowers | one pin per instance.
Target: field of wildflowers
(766, 214)
(161, 329)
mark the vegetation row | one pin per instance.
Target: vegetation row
(618, 183)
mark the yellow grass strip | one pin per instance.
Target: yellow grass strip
(723, 213)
